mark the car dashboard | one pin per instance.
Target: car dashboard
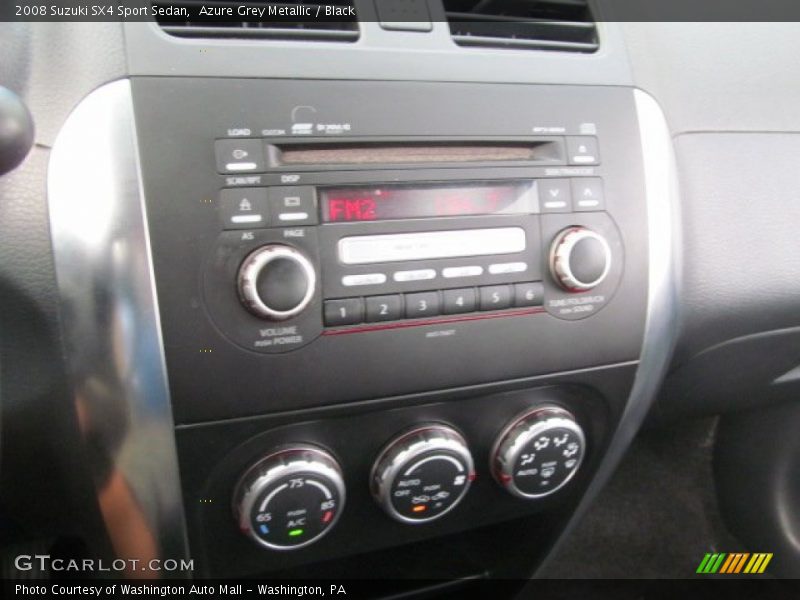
(387, 297)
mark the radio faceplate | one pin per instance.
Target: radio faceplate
(501, 308)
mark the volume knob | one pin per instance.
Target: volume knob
(276, 282)
(579, 259)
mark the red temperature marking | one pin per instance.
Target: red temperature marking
(326, 518)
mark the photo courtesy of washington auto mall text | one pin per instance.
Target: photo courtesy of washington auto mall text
(164, 590)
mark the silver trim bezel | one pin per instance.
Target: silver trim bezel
(661, 331)
(109, 310)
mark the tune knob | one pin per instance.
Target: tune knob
(538, 453)
(276, 282)
(423, 474)
(291, 498)
(579, 259)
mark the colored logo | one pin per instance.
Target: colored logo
(733, 563)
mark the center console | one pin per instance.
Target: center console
(392, 328)
(391, 311)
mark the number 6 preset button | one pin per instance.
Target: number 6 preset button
(384, 308)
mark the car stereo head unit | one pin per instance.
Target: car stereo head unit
(349, 258)
(321, 255)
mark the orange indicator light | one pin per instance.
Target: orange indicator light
(419, 508)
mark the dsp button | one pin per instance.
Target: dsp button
(239, 156)
(495, 297)
(293, 205)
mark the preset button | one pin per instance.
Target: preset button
(384, 308)
(423, 304)
(495, 297)
(346, 311)
(459, 301)
(529, 294)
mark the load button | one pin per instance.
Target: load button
(239, 155)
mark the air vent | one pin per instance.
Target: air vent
(261, 20)
(562, 25)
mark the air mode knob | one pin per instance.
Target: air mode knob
(276, 282)
(423, 474)
(538, 452)
(579, 259)
(290, 498)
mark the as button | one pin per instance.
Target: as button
(244, 208)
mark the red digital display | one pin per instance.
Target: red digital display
(355, 204)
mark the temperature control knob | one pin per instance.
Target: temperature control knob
(538, 453)
(291, 498)
(423, 474)
(276, 282)
(579, 259)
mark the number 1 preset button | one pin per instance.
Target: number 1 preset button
(384, 308)
(346, 311)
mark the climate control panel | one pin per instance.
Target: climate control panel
(294, 496)
(538, 453)
(291, 498)
(423, 474)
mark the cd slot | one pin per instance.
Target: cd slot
(367, 153)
